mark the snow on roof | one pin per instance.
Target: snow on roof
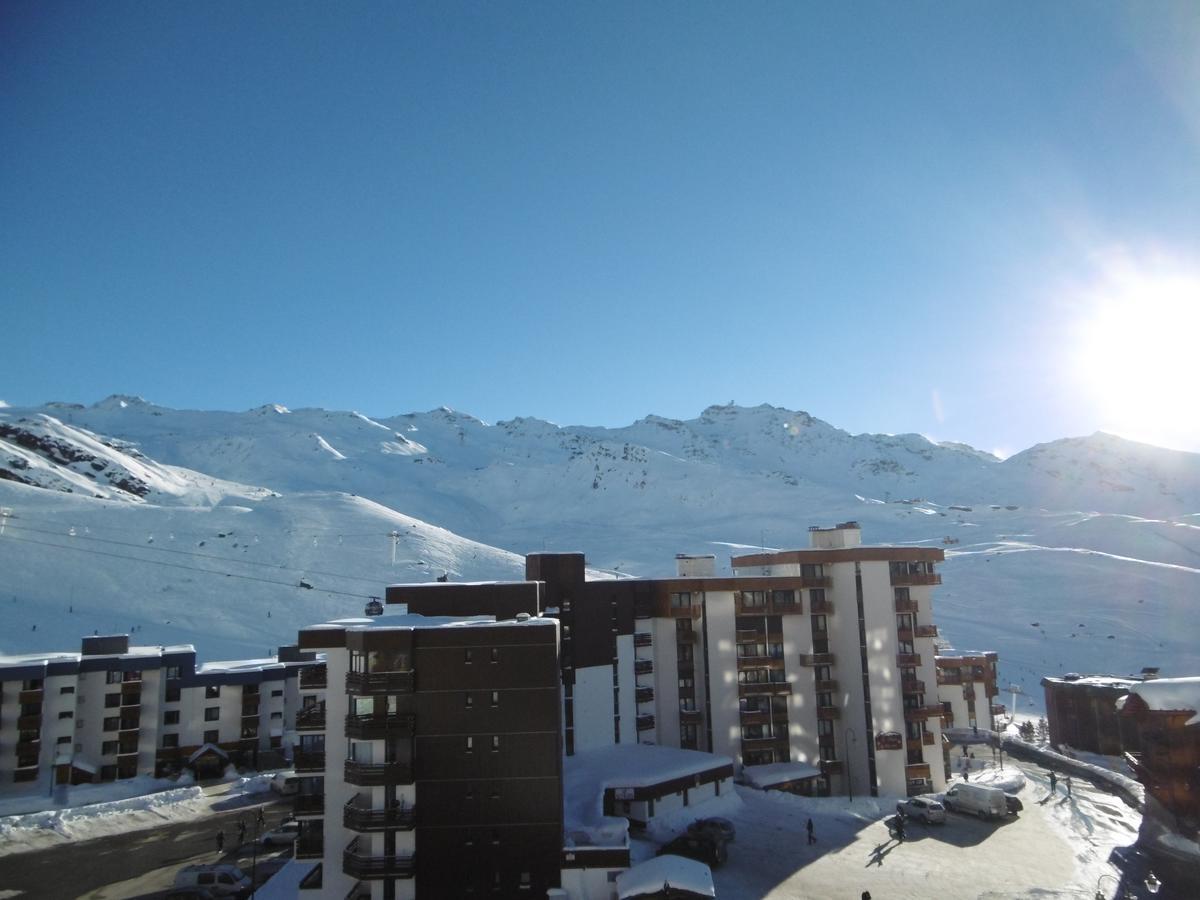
(239, 665)
(1112, 681)
(27, 659)
(1171, 694)
(204, 748)
(588, 773)
(414, 620)
(771, 774)
(655, 874)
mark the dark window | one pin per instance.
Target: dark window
(65, 739)
(470, 744)
(67, 689)
(212, 713)
(112, 723)
(495, 698)
(170, 740)
(111, 700)
(495, 743)
(66, 714)
(278, 692)
(467, 656)
(113, 677)
(171, 717)
(108, 748)
(468, 701)
(210, 737)
(495, 654)
(172, 694)
(212, 691)
(172, 672)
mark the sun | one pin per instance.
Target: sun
(1137, 355)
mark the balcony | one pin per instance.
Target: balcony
(927, 738)
(822, 607)
(250, 709)
(27, 762)
(816, 581)
(129, 724)
(749, 689)
(917, 770)
(915, 579)
(831, 766)
(684, 612)
(906, 606)
(126, 751)
(912, 686)
(365, 774)
(309, 805)
(643, 639)
(310, 846)
(358, 864)
(829, 712)
(998, 709)
(33, 695)
(905, 635)
(365, 819)
(816, 659)
(644, 695)
(371, 728)
(755, 716)
(760, 662)
(927, 631)
(380, 682)
(30, 723)
(949, 676)
(908, 660)
(311, 719)
(309, 761)
(643, 610)
(314, 677)
(645, 723)
(690, 717)
(28, 742)
(827, 687)
(643, 667)
(921, 713)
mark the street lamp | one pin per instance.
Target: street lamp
(1152, 885)
(849, 736)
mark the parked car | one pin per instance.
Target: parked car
(1014, 804)
(928, 811)
(221, 880)
(716, 825)
(702, 846)
(985, 802)
(285, 833)
(286, 783)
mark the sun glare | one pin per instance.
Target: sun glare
(1136, 357)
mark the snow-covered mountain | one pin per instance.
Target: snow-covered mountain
(1085, 537)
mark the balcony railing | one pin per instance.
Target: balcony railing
(309, 804)
(749, 689)
(905, 634)
(829, 712)
(29, 741)
(949, 676)
(921, 713)
(831, 766)
(642, 639)
(309, 761)
(906, 660)
(999, 709)
(27, 762)
(827, 687)
(822, 607)
(314, 677)
(33, 695)
(30, 723)
(645, 723)
(927, 738)
(249, 710)
(129, 724)
(364, 818)
(643, 666)
(912, 686)
(310, 846)
(374, 774)
(368, 728)
(311, 719)
(690, 716)
(360, 865)
(919, 770)
(926, 631)
(913, 579)
(379, 682)
(644, 695)
(906, 606)
(816, 659)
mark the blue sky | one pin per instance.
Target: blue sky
(897, 217)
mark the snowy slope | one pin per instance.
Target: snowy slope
(1085, 536)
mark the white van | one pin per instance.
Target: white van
(221, 880)
(286, 783)
(985, 802)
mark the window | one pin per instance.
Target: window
(902, 595)
(212, 713)
(468, 701)
(467, 656)
(66, 714)
(687, 684)
(495, 654)
(172, 694)
(278, 692)
(112, 723)
(108, 773)
(250, 690)
(210, 737)
(819, 625)
(816, 595)
(783, 598)
(683, 629)
(495, 698)
(754, 599)
(276, 715)
(681, 600)
(249, 731)
(113, 677)
(170, 740)
(65, 739)
(171, 717)
(212, 691)
(108, 748)
(67, 689)
(470, 744)
(495, 743)
(112, 700)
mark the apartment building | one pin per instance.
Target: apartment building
(966, 688)
(433, 766)
(822, 657)
(1166, 715)
(1082, 712)
(113, 710)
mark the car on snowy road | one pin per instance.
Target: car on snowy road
(285, 834)
(718, 826)
(928, 811)
(1014, 803)
(703, 846)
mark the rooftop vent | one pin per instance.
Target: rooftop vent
(373, 607)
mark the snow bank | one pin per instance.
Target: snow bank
(655, 874)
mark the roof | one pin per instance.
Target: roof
(1171, 694)
(206, 748)
(654, 875)
(769, 775)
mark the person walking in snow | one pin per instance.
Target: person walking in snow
(900, 829)
(812, 838)
(1068, 784)
(241, 830)
(1053, 783)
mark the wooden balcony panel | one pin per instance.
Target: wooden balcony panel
(310, 761)
(365, 819)
(309, 805)
(917, 770)
(645, 723)
(927, 738)
(374, 868)
(952, 677)
(643, 639)
(817, 659)
(827, 687)
(314, 677)
(376, 774)
(310, 846)
(907, 660)
(906, 579)
(369, 727)
(831, 766)
(926, 631)
(754, 717)
(311, 719)
(33, 695)
(822, 607)
(683, 612)
(770, 687)
(644, 695)
(29, 723)
(690, 717)
(829, 712)
(380, 682)
(912, 686)
(905, 634)
(906, 606)
(643, 667)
